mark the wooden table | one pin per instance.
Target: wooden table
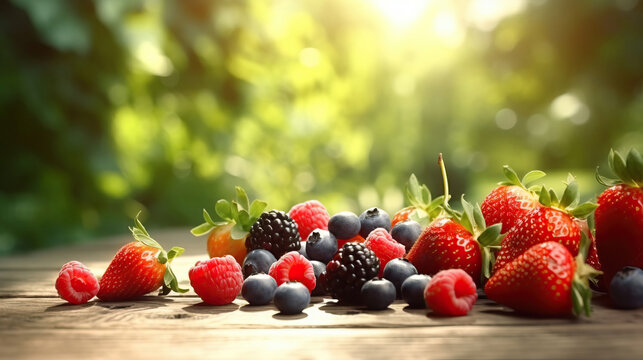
(36, 324)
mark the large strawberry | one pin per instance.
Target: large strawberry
(228, 237)
(619, 216)
(456, 240)
(511, 200)
(423, 208)
(545, 280)
(138, 268)
(556, 220)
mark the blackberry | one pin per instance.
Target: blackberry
(352, 266)
(276, 232)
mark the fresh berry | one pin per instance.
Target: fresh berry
(76, 283)
(451, 293)
(626, 288)
(511, 200)
(293, 267)
(378, 294)
(423, 208)
(138, 268)
(257, 261)
(353, 265)
(258, 289)
(217, 281)
(544, 281)
(398, 270)
(356, 238)
(302, 250)
(555, 221)
(384, 247)
(406, 233)
(276, 232)
(309, 215)
(318, 269)
(228, 237)
(619, 216)
(413, 290)
(456, 241)
(321, 246)
(402, 215)
(291, 298)
(372, 219)
(344, 225)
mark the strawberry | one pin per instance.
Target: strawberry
(228, 237)
(423, 208)
(511, 200)
(619, 216)
(545, 280)
(456, 240)
(138, 268)
(555, 220)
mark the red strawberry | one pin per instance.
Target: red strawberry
(456, 241)
(546, 223)
(619, 216)
(511, 200)
(138, 268)
(545, 281)
(357, 238)
(402, 215)
(228, 237)
(423, 208)
(309, 215)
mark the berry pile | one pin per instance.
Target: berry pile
(530, 248)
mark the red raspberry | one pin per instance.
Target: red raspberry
(309, 215)
(357, 238)
(76, 283)
(217, 281)
(293, 266)
(451, 292)
(384, 247)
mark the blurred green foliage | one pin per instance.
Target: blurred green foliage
(112, 106)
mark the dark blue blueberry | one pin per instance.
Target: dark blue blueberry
(372, 219)
(398, 270)
(318, 268)
(291, 298)
(406, 233)
(378, 294)
(344, 225)
(413, 290)
(258, 289)
(257, 261)
(321, 245)
(302, 250)
(626, 288)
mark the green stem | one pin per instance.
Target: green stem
(445, 181)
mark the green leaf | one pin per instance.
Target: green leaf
(207, 217)
(162, 257)
(570, 195)
(487, 263)
(467, 209)
(414, 193)
(532, 176)
(237, 232)
(553, 196)
(618, 166)
(421, 217)
(605, 180)
(490, 236)
(174, 252)
(478, 217)
(202, 229)
(242, 198)
(234, 211)
(544, 197)
(256, 208)
(511, 175)
(171, 283)
(426, 195)
(244, 220)
(223, 209)
(583, 210)
(634, 166)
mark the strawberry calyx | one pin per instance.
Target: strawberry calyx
(170, 282)
(239, 212)
(581, 292)
(628, 171)
(513, 179)
(425, 208)
(569, 202)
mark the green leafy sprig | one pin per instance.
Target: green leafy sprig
(569, 202)
(628, 171)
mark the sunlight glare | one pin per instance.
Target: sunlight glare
(401, 13)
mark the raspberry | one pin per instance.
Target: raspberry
(309, 215)
(293, 267)
(383, 245)
(451, 293)
(217, 281)
(357, 238)
(76, 283)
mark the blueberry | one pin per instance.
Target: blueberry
(302, 250)
(258, 289)
(321, 245)
(292, 298)
(406, 233)
(318, 268)
(626, 288)
(378, 294)
(344, 225)
(372, 219)
(413, 290)
(398, 270)
(257, 261)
